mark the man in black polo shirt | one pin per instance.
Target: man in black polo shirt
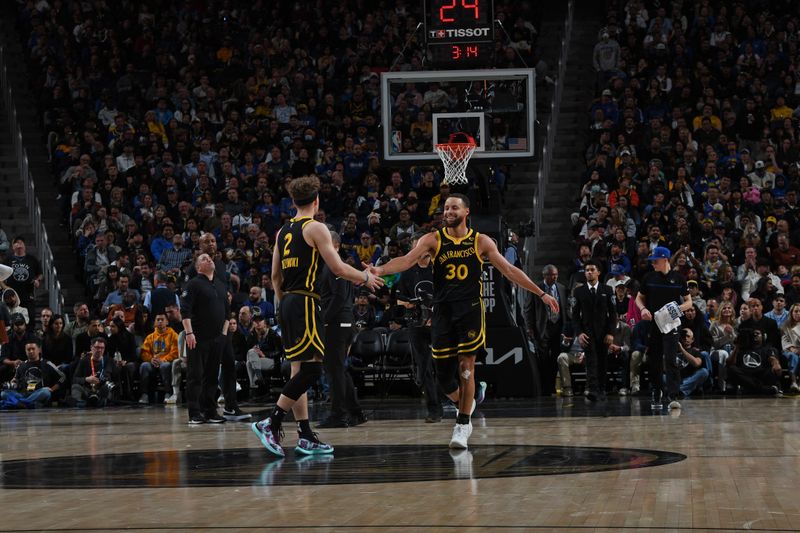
(205, 309)
(659, 288)
(231, 411)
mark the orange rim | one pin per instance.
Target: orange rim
(456, 151)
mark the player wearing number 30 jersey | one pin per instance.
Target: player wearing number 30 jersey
(458, 318)
(458, 331)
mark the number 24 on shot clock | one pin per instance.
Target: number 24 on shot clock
(459, 33)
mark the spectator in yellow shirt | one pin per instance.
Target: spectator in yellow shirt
(781, 111)
(708, 112)
(154, 126)
(158, 351)
(423, 124)
(438, 200)
(368, 251)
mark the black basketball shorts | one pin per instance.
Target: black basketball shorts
(458, 328)
(301, 322)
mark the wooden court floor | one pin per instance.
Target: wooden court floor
(724, 464)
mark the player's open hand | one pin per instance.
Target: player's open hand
(549, 300)
(374, 282)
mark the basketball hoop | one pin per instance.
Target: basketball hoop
(455, 156)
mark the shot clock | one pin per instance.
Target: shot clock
(459, 33)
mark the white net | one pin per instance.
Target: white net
(455, 157)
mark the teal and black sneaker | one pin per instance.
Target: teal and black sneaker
(312, 446)
(270, 439)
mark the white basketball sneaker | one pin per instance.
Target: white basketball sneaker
(461, 433)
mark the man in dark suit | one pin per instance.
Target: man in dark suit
(546, 327)
(594, 317)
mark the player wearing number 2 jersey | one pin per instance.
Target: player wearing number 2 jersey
(299, 247)
(458, 332)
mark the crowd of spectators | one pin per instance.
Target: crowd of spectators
(171, 120)
(694, 145)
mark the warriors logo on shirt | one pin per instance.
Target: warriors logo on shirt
(752, 360)
(21, 272)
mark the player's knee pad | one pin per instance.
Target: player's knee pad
(446, 370)
(310, 371)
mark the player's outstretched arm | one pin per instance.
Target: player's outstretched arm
(426, 245)
(320, 236)
(487, 248)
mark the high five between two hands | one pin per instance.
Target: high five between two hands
(377, 272)
(372, 278)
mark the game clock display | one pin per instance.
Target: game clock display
(459, 33)
(461, 55)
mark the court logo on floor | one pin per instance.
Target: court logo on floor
(350, 464)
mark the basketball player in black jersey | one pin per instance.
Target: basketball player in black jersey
(458, 330)
(300, 246)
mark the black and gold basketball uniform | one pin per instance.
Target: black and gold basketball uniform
(458, 324)
(300, 311)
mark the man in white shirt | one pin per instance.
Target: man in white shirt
(760, 177)
(618, 277)
(751, 278)
(126, 159)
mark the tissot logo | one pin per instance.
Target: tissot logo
(459, 32)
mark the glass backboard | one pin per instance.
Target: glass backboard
(495, 106)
